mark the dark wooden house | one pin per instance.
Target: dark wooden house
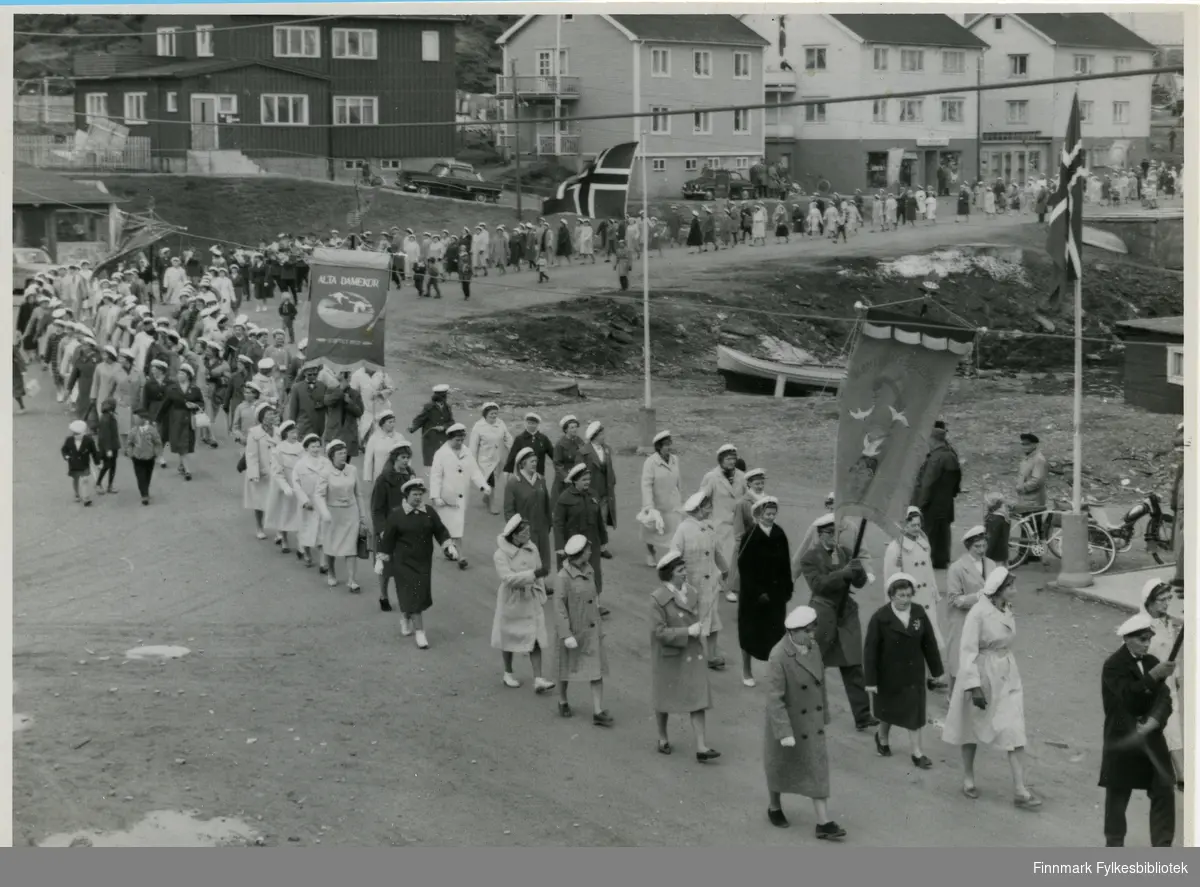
(238, 94)
(1154, 363)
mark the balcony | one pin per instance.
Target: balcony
(542, 145)
(528, 87)
(780, 131)
(779, 81)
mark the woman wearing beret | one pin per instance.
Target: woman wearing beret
(662, 497)
(678, 676)
(566, 455)
(341, 529)
(308, 475)
(696, 541)
(1157, 598)
(744, 521)
(964, 581)
(282, 512)
(766, 570)
(183, 400)
(579, 630)
(577, 513)
(912, 555)
(519, 625)
(525, 494)
(256, 481)
(489, 444)
(725, 486)
(453, 473)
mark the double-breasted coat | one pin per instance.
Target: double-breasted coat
(409, 537)
(912, 556)
(305, 407)
(725, 492)
(662, 490)
(531, 500)
(343, 406)
(520, 621)
(565, 457)
(964, 582)
(604, 480)
(894, 659)
(577, 615)
(743, 523)
(697, 542)
(578, 514)
(797, 706)
(282, 513)
(487, 444)
(678, 670)
(1130, 696)
(256, 481)
(453, 474)
(435, 414)
(831, 580)
(986, 661)
(308, 478)
(766, 570)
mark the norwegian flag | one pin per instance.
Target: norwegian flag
(598, 192)
(1064, 241)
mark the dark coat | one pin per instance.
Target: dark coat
(80, 458)
(532, 502)
(577, 513)
(604, 481)
(343, 406)
(838, 631)
(84, 373)
(938, 482)
(678, 669)
(566, 456)
(180, 433)
(998, 529)
(1129, 698)
(435, 414)
(695, 235)
(894, 660)
(765, 574)
(386, 495)
(797, 706)
(306, 407)
(408, 541)
(538, 442)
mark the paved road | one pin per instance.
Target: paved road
(361, 739)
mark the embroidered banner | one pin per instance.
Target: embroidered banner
(347, 305)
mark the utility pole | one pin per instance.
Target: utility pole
(45, 100)
(516, 125)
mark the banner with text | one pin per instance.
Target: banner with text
(347, 305)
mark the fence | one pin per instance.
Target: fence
(53, 152)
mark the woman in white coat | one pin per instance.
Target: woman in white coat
(282, 513)
(1157, 600)
(383, 440)
(725, 487)
(758, 226)
(453, 473)
(256, 482)
(308, 479)
(987, 703)
(375, 387)
(662, 497)
(519, 625)
(489, 444)
(696, 540)
(911, 555)
(964, 581)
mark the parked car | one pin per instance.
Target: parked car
(704, 187)
(27, 262)
(451, 180)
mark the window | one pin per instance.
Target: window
(1085, 64)
(912, 110)
(302, 43)
(172, 102)
(660, 63)
(352, 164)
(741, 122)
(1120, 112)
(568, 18)
(545, 62)
(204, 40)
(1175, 364)
(912, 60)
(1122, 63)
(391, 164)
(814, 113)
(881, 59)
(771, 114)
(713, 163)
(879, 111)
(660, 122)
(741, 163)
(355, 110)
(97, 106)
(1085, 112)
(285, 110)
(1018, 66)
(226, 105)
(952, 110)
(741, 66)
(354, 43)
(431, 46)
(135, 107)
(690, 164)
(954, 61)
(1018, 112)
(814, 58)
(997, 24)
(701, 63)
(166, 40)
(702, 123)
(658, 164)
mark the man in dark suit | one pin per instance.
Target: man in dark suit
(1137, 704)
(831, 575)
(433, 420)
(598, 458)
(536, 440)
(306, 403)
(938, 483)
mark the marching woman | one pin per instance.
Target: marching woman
(490, 441)
(579, 630)
(387, 494)
(183, 401)
(577, 513)
(307, 477)
(900, 644)
(724, 486)
(1157, 595)
(911, 555)
(696, 541)
(987, 703)
(678, 678)
(380, 444)
(519, 625)
(794, 754)
(256, 484)
(566, 455)
(964, 581)
(154, 393)
(525, 494)
(282, 513)
(406, 551)
(340, 531)
(662, 497)
(375, 388)
(743, 523)
(765, 567)
(453, 473)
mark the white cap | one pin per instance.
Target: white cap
(78, 427)
(825, 520)
(534, 416)
(899, 577)
(386, 414)
(726, 448)
(671, 557)
(695, 501)
(801, 617)
(576, 471)
(994, 581)
(440, 389)
(1152, 586)
(661, 436)
(334, 444)
(522, 455)
(286, 426)
(567, 420)
(910, 511)
(763, 503)
(755, 472)
(973, 533)
(1136, 624)
(266, 364)
(241, 320)
(413, 482)
(575, 545)
(593, 429)
(128, 352)
(261, 407)
(456, 428)
(490, 405)
(513, 524)
(302, 344)
(109, 349)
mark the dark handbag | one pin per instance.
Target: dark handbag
(241, 465)
(364, 547)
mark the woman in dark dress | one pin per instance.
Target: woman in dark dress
(695, 235)
(406, 551)
(900, 643)
(765, 577)
(563, 248)
(182, 400)
(386, 496)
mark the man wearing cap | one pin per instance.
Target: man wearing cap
(1031, 480)
(939, 481)
(306, 403)
(433, 420)
(832, 575)
(536, 440)
(527, 496)
(343, 407)
(1137, 704)
(598, 458)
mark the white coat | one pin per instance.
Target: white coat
(451, 477)
(376, 392)
(174, 280)
(584, 235)
(912, 556)
(488, 444)
(986, 661)
(662, 491)
(520, 620)
(375, 455)
(725, 495)
(481, 246)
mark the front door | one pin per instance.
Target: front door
(204, 123)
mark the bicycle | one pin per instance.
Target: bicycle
(1025, 540)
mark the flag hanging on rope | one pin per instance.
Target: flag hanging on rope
(598, 192)
(1064, 241)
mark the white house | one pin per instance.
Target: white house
(1023, 129)
(818, 55)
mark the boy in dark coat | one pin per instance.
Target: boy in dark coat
(80, 453)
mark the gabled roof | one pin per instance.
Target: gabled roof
(183, 68)
(33, 187)
(718, 30)
(910, 30)
(1090, 30)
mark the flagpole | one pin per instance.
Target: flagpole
(1077, 452)
(648, 420)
